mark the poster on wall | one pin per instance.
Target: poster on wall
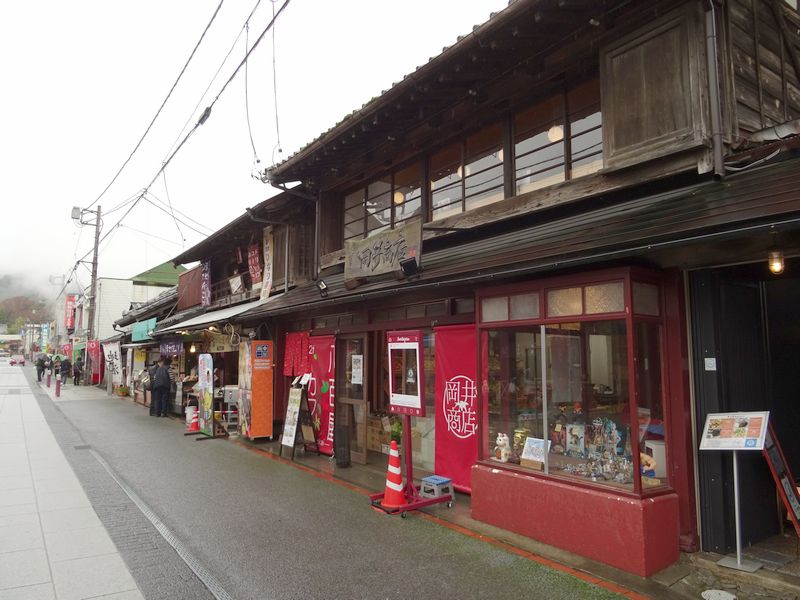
(205, 374)
(322, 357)
(456, 412)
(113, 362)
(406, 379)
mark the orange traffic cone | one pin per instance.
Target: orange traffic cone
(393, 497)
(193, 425)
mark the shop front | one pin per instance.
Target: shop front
(581, 387)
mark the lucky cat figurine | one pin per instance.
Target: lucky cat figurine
(502, 448)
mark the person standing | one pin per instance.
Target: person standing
(77, 371)
(57, 367)
(152, 376)
(39, 368)
(161, 386)
(66, 365)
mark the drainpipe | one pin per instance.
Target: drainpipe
(714, 91)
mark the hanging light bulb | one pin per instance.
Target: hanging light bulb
(399, 197)
(776, 262)
(192, 349)
(555, 133)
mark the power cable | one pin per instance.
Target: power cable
(152, 235)
(275, 90)
(160, 108)
(172, 212)
(184, 215)
(254, 171)
(161, 208)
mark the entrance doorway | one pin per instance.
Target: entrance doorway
(352, 383)
(746, 348)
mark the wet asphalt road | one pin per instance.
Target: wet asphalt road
(268, 530)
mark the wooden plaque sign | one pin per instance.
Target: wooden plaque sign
(382, 253)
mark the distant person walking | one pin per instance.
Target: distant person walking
(39, 368)
(66, 365)
(151, 373)
(77, 371)
(161, 387)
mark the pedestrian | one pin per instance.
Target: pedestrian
(57, 367)
(151, 376)
(39, 367)
(66, 365)
(77, 371)
(161, 387)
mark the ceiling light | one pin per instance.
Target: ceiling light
(555, 133)
(776, 263)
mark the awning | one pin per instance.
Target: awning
(214, 316)
(140, 344)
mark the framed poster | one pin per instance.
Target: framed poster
(735, 431)
(406, 377)
(292, 415)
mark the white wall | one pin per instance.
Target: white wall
(145, 293)
(114, 296)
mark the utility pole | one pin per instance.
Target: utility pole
(90, 330)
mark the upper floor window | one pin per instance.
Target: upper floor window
(559, 138)
(383, 203)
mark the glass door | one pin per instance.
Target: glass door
(352, 383)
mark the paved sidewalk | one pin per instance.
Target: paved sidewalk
(52, 544)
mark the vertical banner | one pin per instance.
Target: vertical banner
(205, 283)
(93, 350)
(457, 403)
(406, 377)
(266, 287)
(322, 355)
(69, 312)
(254, 263)
(113, 362)
(205, 374)
(129, 371)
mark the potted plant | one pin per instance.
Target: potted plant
(121, 390)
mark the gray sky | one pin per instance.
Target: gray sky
(82, 80)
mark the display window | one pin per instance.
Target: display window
(573, 382)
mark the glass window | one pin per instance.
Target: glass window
(586, 129)
(539, 145)
(379, 205)
(524, 306)
(483, 167)
(446, 192)
(650, 404)
(494, 309)
(423, 429)
(580, 409)
(354, 215)
(407, 195)
(605, 298)
(645, 299)
(564, 302)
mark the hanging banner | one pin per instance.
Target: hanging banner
(129, 370)
(205, 283)
(96, 364)
(69, 314)
(171, 347)
(406, 379)
(113, 362)
(322, 356)
(205, 374)
(456, 404)
(266, 288)
(254, 262)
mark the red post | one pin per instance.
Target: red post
(58, 387)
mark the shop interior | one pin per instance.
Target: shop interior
(745, 319)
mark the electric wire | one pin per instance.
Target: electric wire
(152, 235)
(256, 161)
(161, 208)
(160, 108)
(184, 215)
(275, 91)
(172, 212)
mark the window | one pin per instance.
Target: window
(446, 192)
(383, 203)
(560, 399)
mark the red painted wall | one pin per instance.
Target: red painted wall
(639, 536)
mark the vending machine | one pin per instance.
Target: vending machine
(256, 402)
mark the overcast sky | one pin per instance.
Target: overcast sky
(82, 80)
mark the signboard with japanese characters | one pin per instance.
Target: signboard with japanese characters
(266, 286)
(69, 312)
(406, 379)
(205, 283)
(113, 362)
(382, 253)
(254, 262)
(735, 431)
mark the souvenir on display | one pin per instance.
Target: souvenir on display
(502, 449)
(558, 438)
(575, 439)
(647, 465)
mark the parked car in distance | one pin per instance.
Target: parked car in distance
(17, 359)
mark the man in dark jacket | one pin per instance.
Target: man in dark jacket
(77, 371)
(151, 373)
(66, 366)
(161, 385)
(39, 367)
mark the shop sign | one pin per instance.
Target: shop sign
(220, 342)
(254, 263)
(456, 396)
(735, 431)
(382, 253)
(255, 388)
(266, 288)
(205, 374)
(322, 353)
(140, 331)
(205, 283)
(113, 362)
(171, 347)
(69, 314)
(236, 283)
(406, 378)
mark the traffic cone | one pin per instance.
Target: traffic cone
(393, 497)
(193, 425)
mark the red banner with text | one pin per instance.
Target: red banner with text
(69, 312)
(456, 404)
(322, 358)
